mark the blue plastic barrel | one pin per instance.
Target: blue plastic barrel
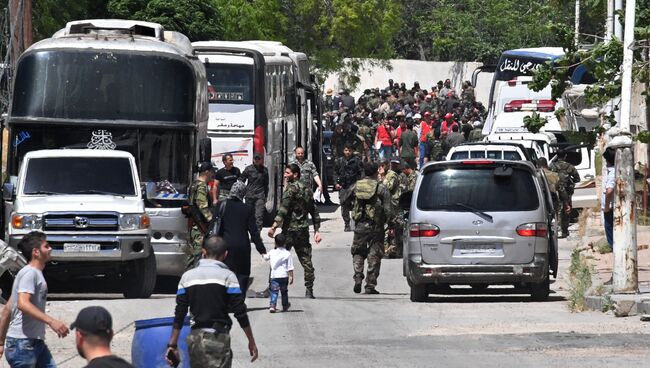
(150, 343)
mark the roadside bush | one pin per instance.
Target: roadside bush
(579, 281)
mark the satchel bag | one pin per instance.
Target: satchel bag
(216, 224)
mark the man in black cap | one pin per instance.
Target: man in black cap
(93, 334)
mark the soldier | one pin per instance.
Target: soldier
(293, 216)
(348, 170)
(338, 143)
(256, 177)
(308, 172)
(477, 133)
(198, 196)
(365, 132)
(435, 147)
(391, 181)
(568, 177)
(371, 209)
(553, 179)
(407, 184)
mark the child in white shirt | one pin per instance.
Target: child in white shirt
(281, 273)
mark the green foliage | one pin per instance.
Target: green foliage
(534, 122)
(643, 137)
(48, 16)
(579, 280)
(579, 138)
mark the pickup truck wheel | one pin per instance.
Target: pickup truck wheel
(140, 280)
(419, 293)
(539, 292)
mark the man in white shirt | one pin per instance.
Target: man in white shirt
(607, 198)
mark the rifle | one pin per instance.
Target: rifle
(194, 214)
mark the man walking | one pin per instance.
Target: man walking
(607, 198)
(372, 207)
(308, 172)
(392, 183)
(408, 145)
(568, 177)
(210, 291)
(293, 216)
(198, 197)
(256, 177)
(93, 334)
(23, 333)
(224, 179)
(348, 170)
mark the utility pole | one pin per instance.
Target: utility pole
(625, 278)
(576, 33)
(20, 15)
(609, 22)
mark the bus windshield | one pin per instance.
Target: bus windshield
(103, 85)
(230, 83)
(161, 154)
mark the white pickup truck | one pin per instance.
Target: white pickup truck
(89, 204)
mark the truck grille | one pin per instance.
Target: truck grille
(81, 222)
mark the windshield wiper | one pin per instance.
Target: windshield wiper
(479, 213)
(46, 192)
(95, 191)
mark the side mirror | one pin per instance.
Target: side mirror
(205, 150)
(8, 192)
(405, 201)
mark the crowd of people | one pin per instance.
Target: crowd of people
(437, 119)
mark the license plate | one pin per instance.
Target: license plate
(81, 247)
(478, 250)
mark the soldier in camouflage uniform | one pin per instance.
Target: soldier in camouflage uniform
(392, 183)
(365, 132)
(308, 172)
(553, 180)
(293, 217)
(371, 205)
(408, 178)
(338, 143)
(568, 178)
(435, 147)
(256, 177)
(199, 196)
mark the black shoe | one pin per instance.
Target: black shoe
(309, 294)
(371, 291)
(329, 203)
(357, 288)
(347, 228)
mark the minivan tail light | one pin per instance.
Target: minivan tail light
(478, 162)
(423, 230)
(535, 229)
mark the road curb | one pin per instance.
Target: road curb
(623, 305)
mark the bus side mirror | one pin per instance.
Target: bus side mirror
(205, 150)
(8, 192)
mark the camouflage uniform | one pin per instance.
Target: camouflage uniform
(293, 217)
(308, 172)
(198, 195)
(568, 176)
(476, 134)
(372, 207)
(435, 148)
(209, 349)
(365, 132)
(391, 182)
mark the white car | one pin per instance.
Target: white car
(492, 151)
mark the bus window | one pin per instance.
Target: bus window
(231, 84)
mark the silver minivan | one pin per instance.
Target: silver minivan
(480, 223)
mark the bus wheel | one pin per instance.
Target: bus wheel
(140, 280)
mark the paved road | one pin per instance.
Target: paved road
(343, 329)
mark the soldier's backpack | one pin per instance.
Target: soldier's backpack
(565, 184)
(364, 208)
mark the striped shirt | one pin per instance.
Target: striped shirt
(209, 291)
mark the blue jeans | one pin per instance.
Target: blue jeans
(423, 152)
(277, 286)
(385, 152)
(28, 353)
(608, 218)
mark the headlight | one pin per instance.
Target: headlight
(27, 221)
(134, 221)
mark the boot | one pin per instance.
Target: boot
(357, 287)
(309, 294)
(371, 291)
(347, 227)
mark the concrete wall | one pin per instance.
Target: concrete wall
(427, 73)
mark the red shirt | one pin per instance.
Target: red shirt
(383, 135)
(424, 130)
(446, 127)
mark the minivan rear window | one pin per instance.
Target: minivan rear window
(454, 189)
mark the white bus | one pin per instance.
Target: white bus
(261, 101)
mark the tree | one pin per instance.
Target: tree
(51, 15)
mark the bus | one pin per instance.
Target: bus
(118, 85)
(261, 101)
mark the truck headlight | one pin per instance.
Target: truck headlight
(134, 221)
(27, 221)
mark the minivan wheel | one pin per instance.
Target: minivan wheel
(539, 292)
(419, 293)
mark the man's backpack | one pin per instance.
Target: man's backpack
(365, 208)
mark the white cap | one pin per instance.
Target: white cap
(417, 116)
